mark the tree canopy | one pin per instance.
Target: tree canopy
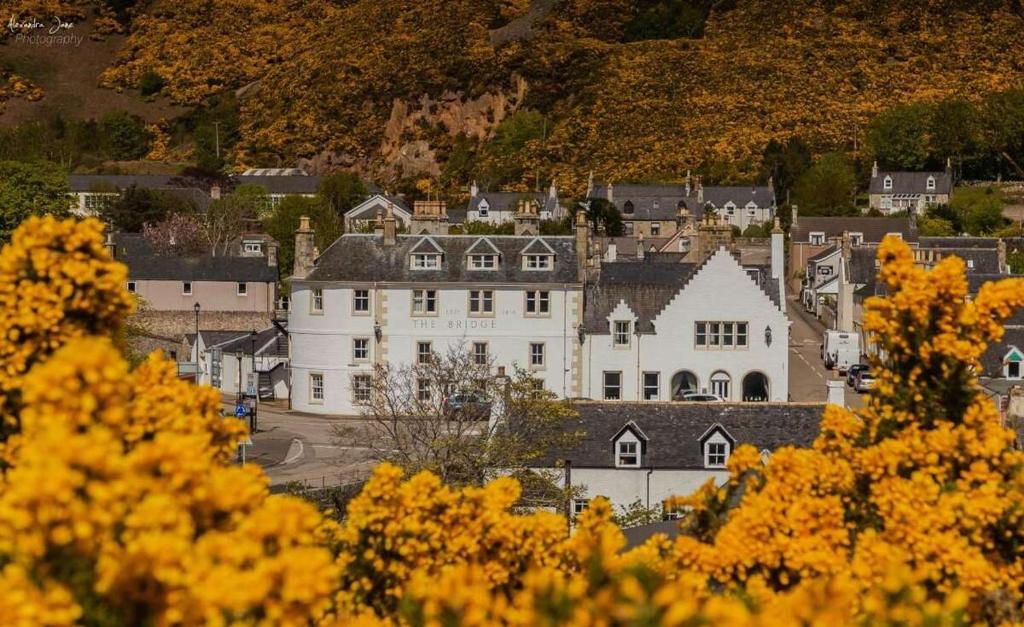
(34, 188)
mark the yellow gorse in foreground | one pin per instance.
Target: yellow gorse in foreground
(119, 504)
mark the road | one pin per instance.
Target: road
(807, 373)
(296, 447)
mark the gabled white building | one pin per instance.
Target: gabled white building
(502, 207)
(657, 331)
(365, 213)
(385, 298)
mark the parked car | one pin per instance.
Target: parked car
(472, 402)
(865, 381)
(851, 374)
(703, 397)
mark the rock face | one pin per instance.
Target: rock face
(406, 149)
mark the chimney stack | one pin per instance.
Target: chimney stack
(640, 246)
(378, 224)
(874, 169)
(390, 228)
(429, 216)
(272, 254)
(110, 245)
(582, 242)
(527, 220)
(473, 189)
(795, 215)
(305, 250)
(778, 258)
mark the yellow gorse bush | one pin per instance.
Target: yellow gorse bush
(119, 504)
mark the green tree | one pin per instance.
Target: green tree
(341, 191)
(216, 131)
(827, 187)
(603, 214)
(125, 136)
(26, 189)
(284, 221)
(899, 138)
(138, 206)
(980, 208)
(935, 227)
(503, 156)
(785, 163)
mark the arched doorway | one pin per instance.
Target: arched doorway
(721, 384)
(684, 382)
(755, 387)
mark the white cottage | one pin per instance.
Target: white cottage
(648, 452)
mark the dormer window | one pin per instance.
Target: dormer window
(538, 262)
(483, 262)
(629, 446)
(426, 261)
(482, 208)
(716, 446)
(930, 185)
(628, 454)
(856, 239)
(1012, 364)
(627, 208)
(887, 183)
(252, 248)
(817, 238)
(896, 235)
(730, 208)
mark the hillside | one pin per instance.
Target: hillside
(631, 90)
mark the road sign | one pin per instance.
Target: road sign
(241, 411)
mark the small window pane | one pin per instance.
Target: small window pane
(612, 386)
(652, 385)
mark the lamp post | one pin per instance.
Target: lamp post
(196, 308)
(238, 366)
(255, 382)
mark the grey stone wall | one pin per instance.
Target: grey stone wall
(167, 329)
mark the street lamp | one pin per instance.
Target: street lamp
(255, 382)
(196, 307)
(238, 366)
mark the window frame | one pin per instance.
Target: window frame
(426, 297)
(887, 183)
(816, 238)
(541, 299)
(419, 261)
(579, 506)
(481, 303)
(655, 229)
(423, 391)
(532, 353)
(356, 349)
(647, 388)
(359, 390)
(356, 311)
(710, 455)
(636, 453)
(424, 358)
(131, 287)
(313, 378)
(486, 354)
(484, 262)
(316, 301)
(186, 288)
(618, 334)
(241, 288)
(605, 385)
(252, 247)
(721, 335)
(538, 262)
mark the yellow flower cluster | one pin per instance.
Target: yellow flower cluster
(119, 504)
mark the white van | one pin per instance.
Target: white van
(840, 350)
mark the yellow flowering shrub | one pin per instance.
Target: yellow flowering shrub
(119, 504)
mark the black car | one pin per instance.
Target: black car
(851, 374)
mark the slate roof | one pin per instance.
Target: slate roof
(957, 242)
(281, 184)
(270, 342)
(828, 252)
(508, 201)
(88, 182)
(873, 229)
(144, 264)
(363, 257)
(911, 183)
(662, 202)
(214, 337)
(992, 359)
(647, 287)
(674, 430)
(986, 266)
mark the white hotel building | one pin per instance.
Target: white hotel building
(624, 331)
(385, 298)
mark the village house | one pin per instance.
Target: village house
(501, 207)
(647, 452)
(658, 210)
(893, 192)
(280, 183)
(226, 361)
(361, 217)
(91, 192)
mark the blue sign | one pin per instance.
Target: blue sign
(241, 410)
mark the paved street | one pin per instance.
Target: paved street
(807, 373)
(298, 447)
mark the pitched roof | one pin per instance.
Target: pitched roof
(992, 359)
(927, 241)
(662, 202)
(281, 184)
(911, 183)
(482, 246)
(145, 264)
(363, 257)
(270, 342)
(674, 430)
(507, 201)
(739, 195)
(537, 246)
(825, 254)
(90, 182)
(873, 229)
(367, 209)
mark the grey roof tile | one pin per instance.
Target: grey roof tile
(911, 183)
(873, 229)
(144, 264)
(674, 430)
